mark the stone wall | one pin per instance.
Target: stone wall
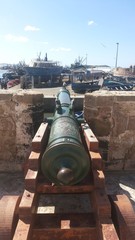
(111, 116)
(20, 117)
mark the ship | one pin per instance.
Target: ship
(44, 72)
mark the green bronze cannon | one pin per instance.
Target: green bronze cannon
(65, 160)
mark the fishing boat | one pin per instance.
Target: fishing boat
(44, 71)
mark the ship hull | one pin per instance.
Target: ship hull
(38, 71)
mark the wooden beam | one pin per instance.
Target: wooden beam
(40, 139)
(22, 231)
(109, 231)
(101, 203)
(26, 204)
(91, 140)
(34, 160)
(96, 160)
(99, 179)
(65, 234)
(43, 188)
(31, 180)
(56, 220)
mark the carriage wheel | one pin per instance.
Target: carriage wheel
(8, 216)
(123, 216)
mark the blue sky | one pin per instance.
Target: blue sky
(67, 29)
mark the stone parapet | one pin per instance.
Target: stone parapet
(111, 116)
(20, 116)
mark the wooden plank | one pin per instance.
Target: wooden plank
(91, 140)
(26, 204)
(109, 231)
(34, 160)
(106, 229)
(65, 234)
(102, 208)
(96, 160)
(55, 220)
(40, 139)
(43, 188)
(99, 179)
(101, 203)
(31, 180)
(22, 231)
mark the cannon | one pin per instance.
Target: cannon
(65, 160)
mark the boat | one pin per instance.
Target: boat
(81, 84)
(83, 87)
(44, 72)
(112, 85)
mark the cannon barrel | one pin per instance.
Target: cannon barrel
(65, 160)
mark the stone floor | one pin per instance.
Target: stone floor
(116, 183)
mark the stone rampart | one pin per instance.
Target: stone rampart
(111, 116)
(20, 116)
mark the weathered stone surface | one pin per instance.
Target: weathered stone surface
(99, 118)
(100, 127)
(120, 119)
(18, 124)
(111, 115)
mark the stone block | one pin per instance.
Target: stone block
(105, 101)
(89, 101)
(99, 127)
(28, 98)
(90, 113)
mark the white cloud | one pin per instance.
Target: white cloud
(31, 28)
(13, 38)
(60, 49)
(91, 22)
